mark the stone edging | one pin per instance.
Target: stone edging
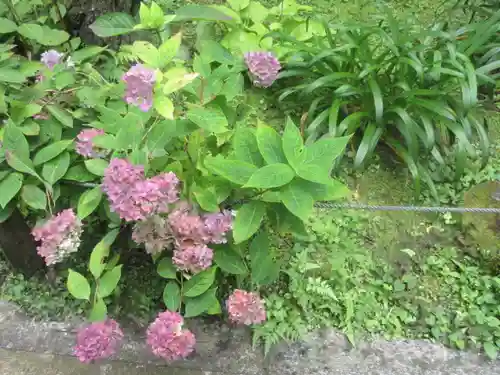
(228, 350)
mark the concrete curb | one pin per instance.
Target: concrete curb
(224, 349)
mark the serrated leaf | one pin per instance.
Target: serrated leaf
(298, 201)
(10, 186)
(211, 118)
(88, 202)
(96, 166)
(77, 285)
(319, 157)
(34, 197)
(270, 145)
(109, 281)
(271, 176)
(21, 165)
(246, 148)
(113, 24)
(199, 283)
(100, 252)
(166, 269)
(51, 151)
(229, 260)
(172, 296)
(248, 220)
(55, 169)
(15, 141)
(293, 145)
(206, 198)
(232, 170)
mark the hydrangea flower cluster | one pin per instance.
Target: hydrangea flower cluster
(246, 307)
(59, 236)
(98, 340)
(132, 196)
(51, 58)
(263, 68)
(193, 258)
(167, 339)
(154, 233)
(140, 82)
(84, 145)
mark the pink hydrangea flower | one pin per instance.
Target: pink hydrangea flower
(140, 82)
(97, 341)
(51, 58)
(154, 233)
(217, 225)
(193, 258)
(167, 339)
(59, 236)
(84, 145)
(132, 196)
(187, 226)
(263, 68)
(246, 307)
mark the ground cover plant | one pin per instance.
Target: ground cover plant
(146, 165)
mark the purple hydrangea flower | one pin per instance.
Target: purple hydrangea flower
(246, 307)
(59, 236)
(84, 145)
(263, 68)
(193, 258)
(154, 233)
(132, 196)
(217, 225)
(167, 339)
(97, 341)
(51, 58)
(140, 82)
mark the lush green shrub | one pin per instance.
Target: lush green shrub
(417, 92)
(154, 148)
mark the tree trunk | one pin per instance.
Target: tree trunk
(18, 245)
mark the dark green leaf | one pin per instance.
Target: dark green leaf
(7, 26)
(293, 145)
(10, 186)
(232, 170)
(172, 296)
(109, 281)
(166, 269)
(248, 220)
(21, 165)
(229, 260)
(113, 24)
(298, 201)
(15, 141)
(271, 176)
(86, 53)
(246, 148)
(199, 283)
(79, 173)
(209, 118)
(55, 169)
(270, 145)
(88, 202)
(200, 304)
(78, 285)
(34, 197)
(101, 252)
(51, 151)
(96, 166)
(61, 115)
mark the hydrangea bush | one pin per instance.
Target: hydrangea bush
(139, 138)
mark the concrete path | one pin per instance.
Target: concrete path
(28, 347)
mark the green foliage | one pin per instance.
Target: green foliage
(417, 92)
(335, 279)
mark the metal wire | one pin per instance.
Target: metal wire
(370, 207)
